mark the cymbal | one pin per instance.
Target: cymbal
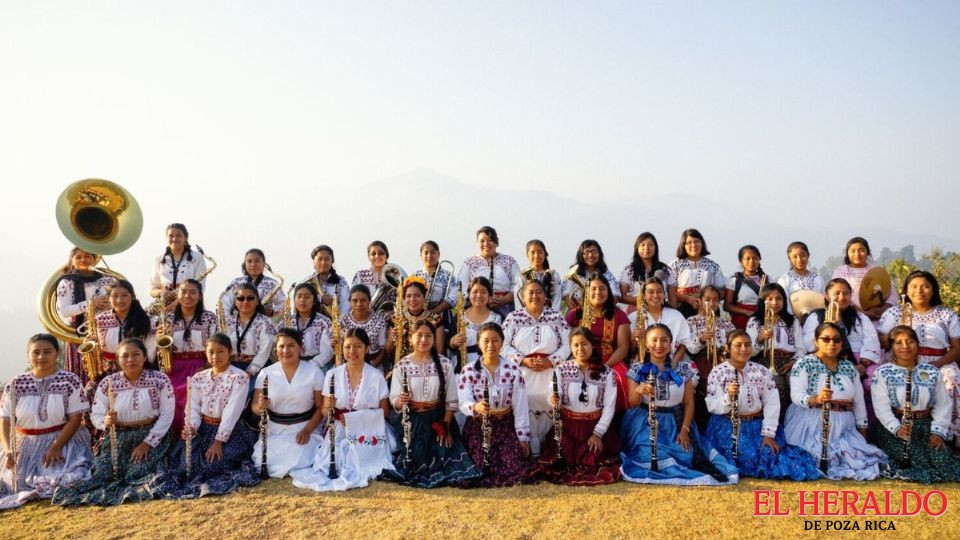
(805, 302)
(875, 288)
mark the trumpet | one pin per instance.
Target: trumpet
(770, 325)
(906, 311)
(90, 348)
(711, 321)
(164, 339)
(832, 313)
(432, 281)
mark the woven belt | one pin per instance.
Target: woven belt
(499, 413)
(244, 358)
(752, 416)
(841, 406)
(927, 351)
(189, 355)
(573, 415)
(688, 290)
(899, 412)
(424, 406)
(289, 419)
(126, 426)
(41, 431)
(210, 420)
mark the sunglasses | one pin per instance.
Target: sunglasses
(246, 298)
(830, 339)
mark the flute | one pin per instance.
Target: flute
(188, 442)
(332, 430)
(485, 428)
(112, 404)
(907, 420)
(557, 420)
(12, 440)
(825, 434)
(735, 417)
(407, 427)
(264, 474)
(652, 420)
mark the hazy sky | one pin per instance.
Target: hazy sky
(228, 111)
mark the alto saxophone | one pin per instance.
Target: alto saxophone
(906, 311)
(164, 339)
(221, 316)
(641, 320)
(213, 265)
(90, 348)
(273, 292)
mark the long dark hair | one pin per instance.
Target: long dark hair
(547, 280)
(435, 356)
(313, 292)
(640, 271)
(852, 241)
(252, 288)
(846, 352)
(609, 305)
(138, 322)
(488, 326)
(750, 247)
(761, 311)
(198, 311)
(187, 250)
(601, 266)
(243, 265)
(935, 299)
(668, 361)
(848, 316)
(596, 360)
(682, 248)
(333, 277)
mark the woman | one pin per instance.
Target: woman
(658, 313)
(501, 270)
(125, 319)
(79, 285)
(858, 330)
(849, 455)
(139, 414)
(190, 325)
(293, 403)
(333, 285)
(424, 383)
(589, 450)
(930, 461)
(475, 316)
(360, 316)
(438, 280)
(646, 264)
(314, 327)
(609, 328)
(254, 261)
(355, 394)
(536, 338)
(938, 328)
(743, 288)
(589, 261)
(503, 453)
(250, 330)
(414, 309)
(177, 264)
(220, 445)
(856, 264)
(540, 270)
(786, 337)
(698, 338)
(373, 278)
(762, 450)
(682, 457)
(693, 270)
(799, 277)
(51, 449)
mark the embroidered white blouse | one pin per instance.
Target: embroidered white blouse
(573, 290)
(370, 389)
(758, 392)
(47, 402)
(557, 286)
(151, 396)
(254, 339)
(472, 329)
(698, 325)
(110, 333)
(220, 396)
(199, 331)
(863, 338)
(266, 285)
(935, 328)
(670, 317)
(697, 274)
(506, 272)
(65, 306)
(316, 332)
(785, 338)
(439, 284)
(525, 335)
(601, 393)
(507, 389)
(808, 376)
(375, 327)
(928, 391)
(423, 382)
(166, 273)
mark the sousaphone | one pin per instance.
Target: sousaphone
(99, 217)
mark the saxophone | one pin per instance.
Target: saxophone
(399, 325)
(588, 317)
(273, 292)
(711, 321)
(221, 316)
(652, 420)
(461, 327)
(770, 325)
(90, 348)
(906, 311)
(213, 265)
(641, 320)
(907, 420)
(335, 326)
(164, 339)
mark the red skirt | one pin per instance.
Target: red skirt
(740, 321)
(580, 466)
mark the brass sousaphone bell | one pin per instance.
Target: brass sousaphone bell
(99, 217)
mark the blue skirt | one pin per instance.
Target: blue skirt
(234, 471)
(702, 465)
(756, 460)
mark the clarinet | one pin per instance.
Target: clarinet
(557, 420)
(332, 430)
(14, 477)
(825, 434)
(907, 420)
(264, 474)
(485, 428)
(405, 420)
(652, 420)
(188, 443)
(112, 403)
(735, 418)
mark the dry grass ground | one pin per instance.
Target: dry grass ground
(276, 509)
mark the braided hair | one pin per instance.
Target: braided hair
(595, 361)
(198, 311)
(138, 322)
(435, 356)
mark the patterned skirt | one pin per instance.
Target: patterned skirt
(849, 455)
(756, 460)
(232, 472)
(36, 481)
(702, 465)
(580, 466)
(185, 365)
(131, 483)
(434, 464)
(927, 465)
(508, 465)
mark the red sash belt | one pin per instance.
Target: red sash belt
(209, 420)
(688, 290)
(41, 431)
(424, 406)
(572, 415)
(244, 358)
(189, 355)
(503, 293)
(927, 351)
(536, 355)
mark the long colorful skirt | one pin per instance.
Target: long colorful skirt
(849, 455)
(37, 481)
(508, 466)
(927, 465)
(756, 460)
(702, 465)
(704, 366)
(130, 483)
(185, 364)
(434, 464)
(232, 472)
(580, 466)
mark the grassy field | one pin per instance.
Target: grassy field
(276, 509)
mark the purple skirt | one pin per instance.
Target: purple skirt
(185, 365)
(508, 466)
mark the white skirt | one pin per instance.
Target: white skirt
(849, 455)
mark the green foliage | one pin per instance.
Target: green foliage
(945, 266)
